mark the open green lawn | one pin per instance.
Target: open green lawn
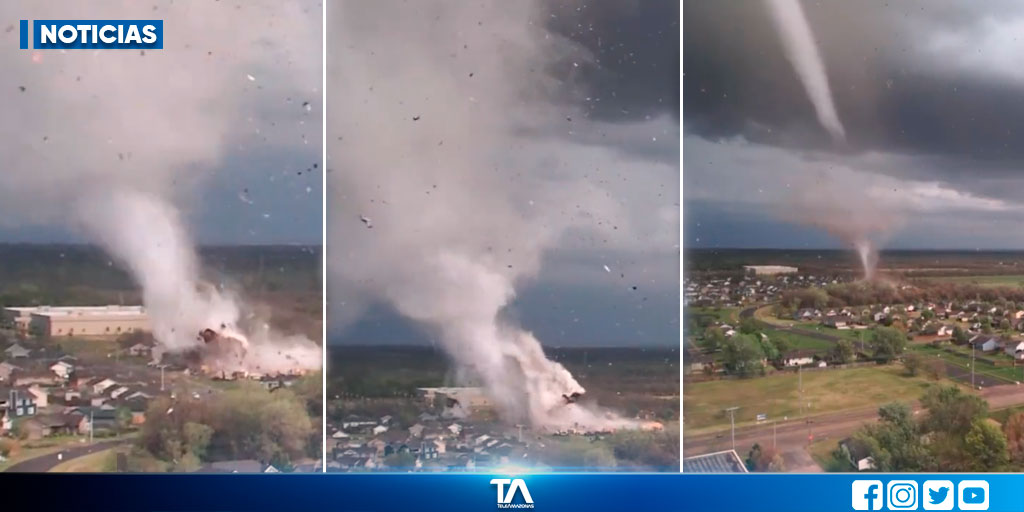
(88, 349)
(24, 454)
(963, 360)
(99, 462)
(764, 314)
(799, 341)
(1004, 280)
(850, 334)
(726, 315)
(778, 395)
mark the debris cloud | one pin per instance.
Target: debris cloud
(111, 143)
(432, 104)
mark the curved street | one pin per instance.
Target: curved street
(44, 463)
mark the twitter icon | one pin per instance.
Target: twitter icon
(938, 495)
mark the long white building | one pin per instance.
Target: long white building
(50, 321)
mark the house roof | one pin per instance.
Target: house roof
(234, 466)
(858, 450)
(727, 461)
(792, 354)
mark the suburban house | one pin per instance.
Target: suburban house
(62, 369)
(6, 424)
(986, 343)
(102, 385)
(1015, 350)
(727, 461)
(41, 376)
(45, 425)
(798, 357)
(18, 403)
(806, 314)
(857, 453)
(16, 351)
(139, 350)
(39, 395)
(6, 370)
(836, 322)
(698, 362)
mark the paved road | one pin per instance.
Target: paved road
(45, 463)
(749, 313)
(792, 437)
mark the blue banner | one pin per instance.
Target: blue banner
(93, 34)
(554, 492)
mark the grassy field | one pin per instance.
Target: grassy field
(850, 334)
(778, 395)
(799, 341)
(963, 360)
(99, 462)
(89, 349)
(1004, 280)
(764, 314)
(726, 315)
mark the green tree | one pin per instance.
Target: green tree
(960, 336)
(1014, 430)
(713, 339)
(742, 356)
(749, 326)
(887, 343)
(762, 459)
(950, 410)
(927, 314)
(894, 442)
(985, 446)
(1004, 324)
(196, 438)
(842, 352)
(913, 364)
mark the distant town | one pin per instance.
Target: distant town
(81, 383)
(786, 370)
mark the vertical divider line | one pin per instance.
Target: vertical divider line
(323, 239)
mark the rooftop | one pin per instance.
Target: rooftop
(727, 461)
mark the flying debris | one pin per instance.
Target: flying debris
(606, 269)
(415, 118)
(366, 220)
(572, 397)
(251, 78)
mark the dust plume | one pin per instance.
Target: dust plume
(802, 51)
(439, 201)
(849, 209)
(111, 144)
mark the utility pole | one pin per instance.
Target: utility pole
(775, 433)
(800, 377)
(162, 376)
(91, 425)
(972, 365)
(732, 422)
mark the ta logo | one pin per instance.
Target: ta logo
(516, 485)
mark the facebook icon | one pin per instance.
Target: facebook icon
(867, 495)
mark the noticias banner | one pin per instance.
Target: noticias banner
(627, 492)
(92, 34)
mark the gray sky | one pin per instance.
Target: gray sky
(931, 95)
(214, 123)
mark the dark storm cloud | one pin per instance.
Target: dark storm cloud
(931, 96)
(895, 90)
(633, 44)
